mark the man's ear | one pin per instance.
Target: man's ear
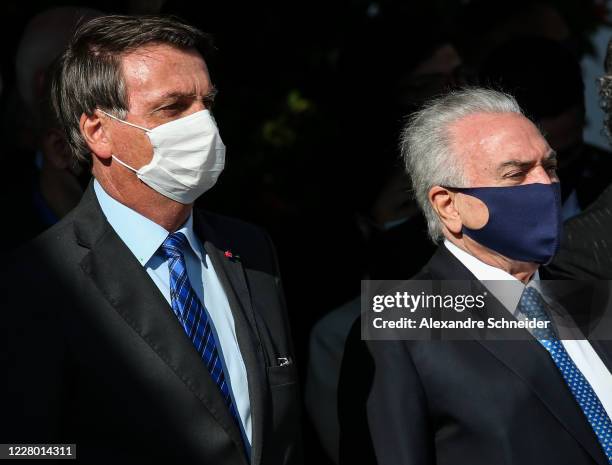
(95, 132)
(443, 202)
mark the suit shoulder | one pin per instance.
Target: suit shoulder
(54, 239)
(423, 275)
(234, 232)
(229, 224)
(46, 260)
(585, 244)
(251, 242)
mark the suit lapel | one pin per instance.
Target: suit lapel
(533, 364)
(128, 288)
(530, 362)
(232, 276)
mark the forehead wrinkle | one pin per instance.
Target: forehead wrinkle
(143, 60)
(136, 68)
(511, 133)
(462, 138)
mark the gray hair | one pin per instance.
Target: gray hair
(426, 143)
(88, 75)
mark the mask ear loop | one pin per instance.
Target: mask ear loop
(122, 121)
(129, 124)
(125, 164)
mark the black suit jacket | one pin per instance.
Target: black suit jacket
(460, 402)
(95, 355)
(586, 245)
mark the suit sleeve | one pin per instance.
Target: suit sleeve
(397, 408)
(297, 456)
(354, 386)
(586, 247)
(279, 288)
(34, 358)
(388, 422)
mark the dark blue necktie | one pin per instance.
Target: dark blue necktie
(193, 316)
(532, 305)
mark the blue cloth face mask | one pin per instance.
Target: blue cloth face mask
(524, 221)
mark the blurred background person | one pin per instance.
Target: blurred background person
(51, 184)
(546, 80)
(586, 247)
(392, 227)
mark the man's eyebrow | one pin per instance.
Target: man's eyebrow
(551, 156)
(515, 164)
(174, 95)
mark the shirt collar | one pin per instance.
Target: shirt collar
(194, 242)
(508, 292)
(141, 235)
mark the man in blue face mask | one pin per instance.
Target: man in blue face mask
(503, 204)
(485, 179)
(158, 330)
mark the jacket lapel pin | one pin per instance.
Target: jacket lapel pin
(233, 257)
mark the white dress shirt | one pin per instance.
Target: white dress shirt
(580, 350)
(144, 237)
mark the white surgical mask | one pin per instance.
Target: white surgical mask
(188, 157)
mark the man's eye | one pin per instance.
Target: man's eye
(515, 174)
(172, 107)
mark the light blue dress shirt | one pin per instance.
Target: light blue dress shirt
(144, 237)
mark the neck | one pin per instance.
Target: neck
(523, 271)
(167, 213)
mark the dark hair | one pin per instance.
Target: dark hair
(605, 91)
(88, 74)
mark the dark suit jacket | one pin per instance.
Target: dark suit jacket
(460, 402)
(96, 356)
(586, 246)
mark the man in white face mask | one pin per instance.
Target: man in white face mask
(164, 327)
(166, 151)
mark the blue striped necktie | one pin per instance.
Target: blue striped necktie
(193, 316)
(532, 305)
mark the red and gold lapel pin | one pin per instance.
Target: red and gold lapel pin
(230, 255)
